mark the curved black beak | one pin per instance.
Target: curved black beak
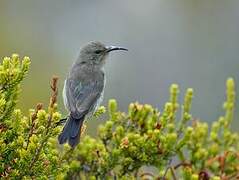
(115, 48)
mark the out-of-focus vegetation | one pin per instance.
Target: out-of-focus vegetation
(193, 43)
(27, 143)
(174, 146)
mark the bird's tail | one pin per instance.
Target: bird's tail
(71, 131)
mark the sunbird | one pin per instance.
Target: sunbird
(84, 88)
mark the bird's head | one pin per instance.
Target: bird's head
(95, 53)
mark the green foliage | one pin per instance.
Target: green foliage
(142, 142)
(28, 147)
(185, 147)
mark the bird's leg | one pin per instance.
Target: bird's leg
(61, 122)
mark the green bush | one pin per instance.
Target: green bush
(141, 143)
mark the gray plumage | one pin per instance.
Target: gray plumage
(83, 89)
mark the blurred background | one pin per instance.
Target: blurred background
(194, 43)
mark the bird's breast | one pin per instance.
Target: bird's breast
(100, 99)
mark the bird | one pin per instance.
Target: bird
(84, 88)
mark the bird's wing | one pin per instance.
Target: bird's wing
(81, 98)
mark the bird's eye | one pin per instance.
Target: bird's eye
(98, 51)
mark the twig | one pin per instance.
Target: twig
(168, 167)
(173, 173)
(54, 88)
(233, 176)
(61, 122)
(185, 164)
(146, 174)
(33, 118)
(53, 100)
(3, 127)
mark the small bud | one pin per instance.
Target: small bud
(26, 59)
(213, 136)
(15, 57)
(174, 88)
(119, 130)
(56, 116)
(109, 125)
(216, 178)
(171, 138)
(214, 149)
(6, 63)
(124, 143)
(112, 105)
(170, 127)
(194, 177)
(101, 109)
